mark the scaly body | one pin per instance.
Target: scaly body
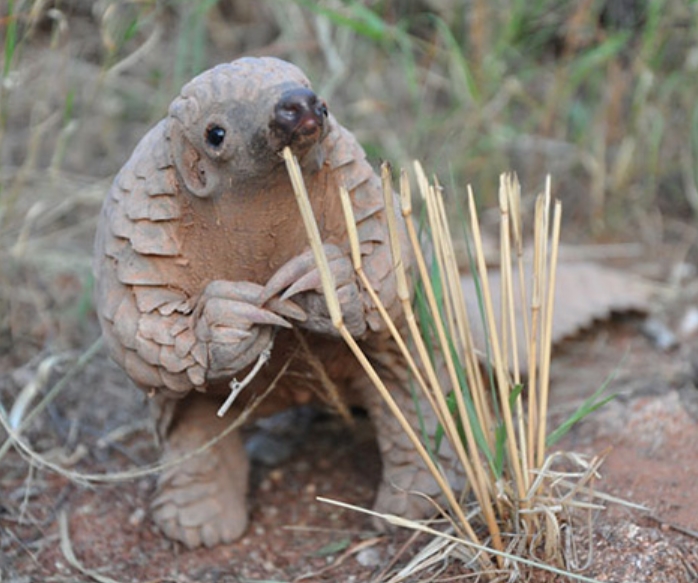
(201, 259)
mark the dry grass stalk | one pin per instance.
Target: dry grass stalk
(336, 316)
(69, 554)
(499, 575)
(34, 458)
(500, 443)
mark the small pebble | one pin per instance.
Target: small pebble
(136, 517)
(659, 334)
(276, 475)
(369, 557)
(689, 323)
(60, 566)
(632, 531)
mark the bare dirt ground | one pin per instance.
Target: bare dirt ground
(52, 526)
(649, 432)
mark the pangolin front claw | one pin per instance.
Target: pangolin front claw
(296, 270)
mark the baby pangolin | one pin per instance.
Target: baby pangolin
(201, 260)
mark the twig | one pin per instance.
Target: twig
(26, 449)
(85, 358)
(397, 555)
(130, 60)
(67, 550)
(331, 393)
(411, 524)
(32, 388)
(352, 550)
(674, 526)
(237, 386)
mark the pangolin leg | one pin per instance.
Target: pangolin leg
(407, 485)
(200, 501)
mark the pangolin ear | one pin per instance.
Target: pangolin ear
(197, 170)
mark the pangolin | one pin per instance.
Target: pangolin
(201, 260)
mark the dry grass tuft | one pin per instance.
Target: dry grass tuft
(525, 508)
(20, 416)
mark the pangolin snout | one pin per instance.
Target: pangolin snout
(300, 111)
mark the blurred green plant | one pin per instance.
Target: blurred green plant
(10, 47)
(589, 89)
(190, 56)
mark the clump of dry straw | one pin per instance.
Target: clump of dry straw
(523, 506)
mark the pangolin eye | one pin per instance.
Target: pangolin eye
(215, 135)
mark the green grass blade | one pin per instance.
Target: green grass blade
(590, 61)
(590, 405)
(10, 39)
(363, 20)
(460, 67)
(428, 329)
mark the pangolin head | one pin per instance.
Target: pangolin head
(229, 124)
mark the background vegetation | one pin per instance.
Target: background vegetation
(599, 93)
